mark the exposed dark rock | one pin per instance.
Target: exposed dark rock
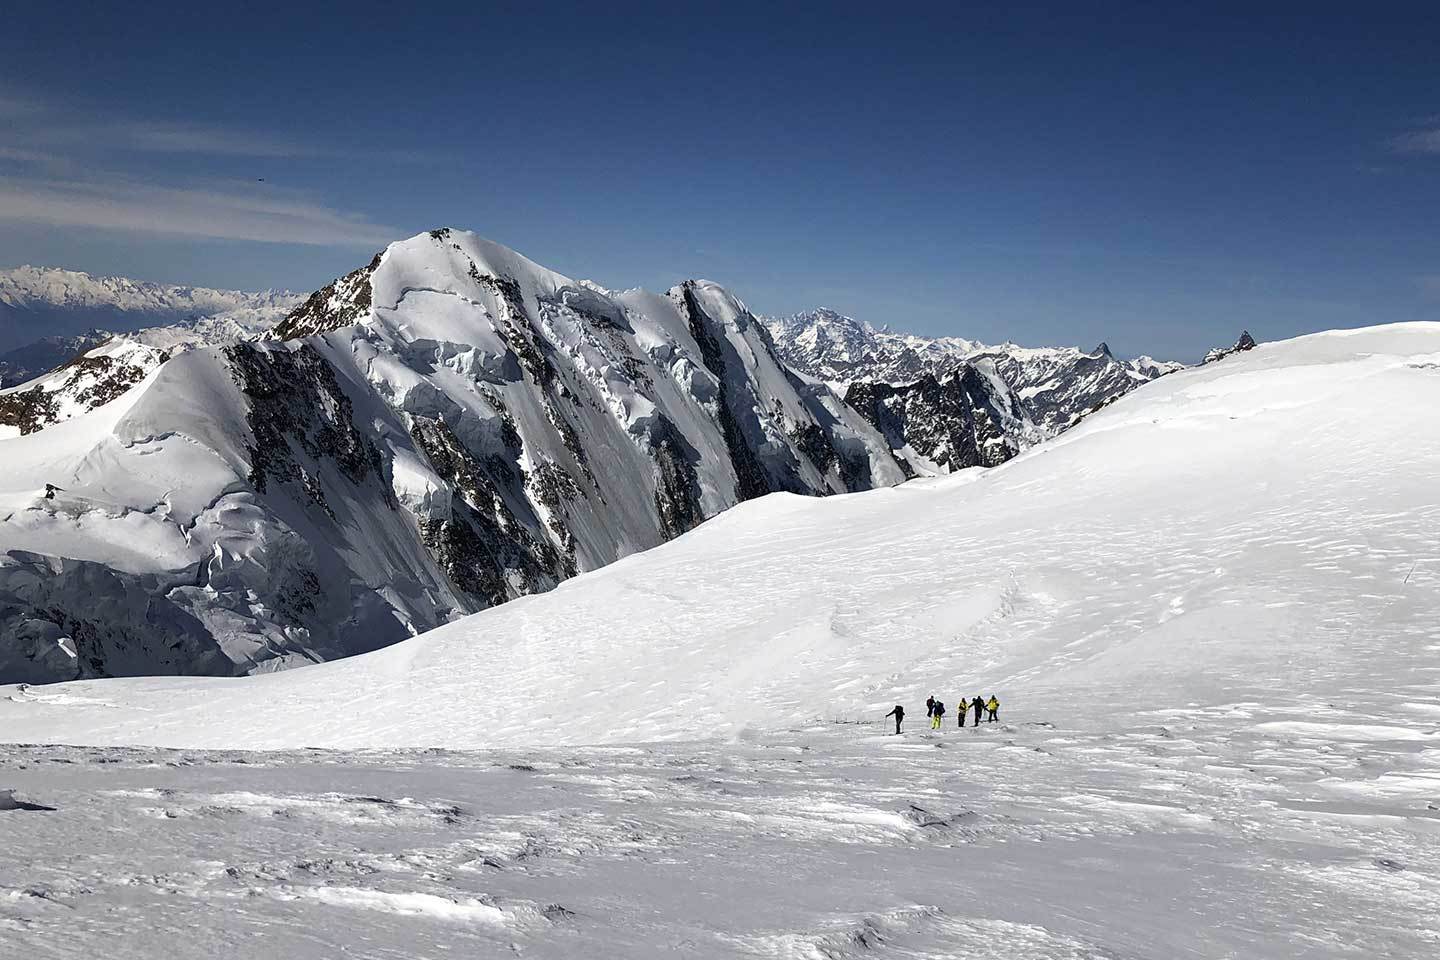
(677, 486)
(814, 443)
(484, 549)
(952, 422)
(112, 378)
(1046, 388)
(336, 305)
(297, 410)
(555, 490)
(1246, 342)
(29, 410)
(46, 354)
(751, 480)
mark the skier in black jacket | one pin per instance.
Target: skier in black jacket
(979, 706)
(899, 714)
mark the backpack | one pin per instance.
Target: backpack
(939, 709)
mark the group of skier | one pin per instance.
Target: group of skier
(935, 710)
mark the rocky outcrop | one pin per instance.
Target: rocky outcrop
(1246, 342)
(46, 354)
(335, 305)
(85, 382)
(940, 425)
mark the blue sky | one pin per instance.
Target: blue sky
(1154, 175)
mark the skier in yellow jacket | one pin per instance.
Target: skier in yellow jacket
(994, 707)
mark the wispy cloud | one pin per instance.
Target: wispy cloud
(266, 216)
(64, 169)
(1417, 141)
(150, 137)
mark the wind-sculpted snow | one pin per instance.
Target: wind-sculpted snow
(1196, 832)
(443, 430)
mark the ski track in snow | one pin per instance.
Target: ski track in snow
(1203, 832)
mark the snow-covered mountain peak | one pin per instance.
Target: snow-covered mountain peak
(446, 428)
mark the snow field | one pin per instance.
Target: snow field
(1179, 838)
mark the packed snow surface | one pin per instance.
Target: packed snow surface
(1209, 613)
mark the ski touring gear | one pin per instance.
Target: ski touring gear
(899, 714)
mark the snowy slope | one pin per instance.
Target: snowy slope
(102, 370)
(1261, 530)
(38, 302)
(41, 356)
(447, 428)
(92, 379)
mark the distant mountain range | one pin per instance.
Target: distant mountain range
(42, 303)
(916, 388)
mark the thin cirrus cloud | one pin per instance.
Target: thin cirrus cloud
(147, 137)
(225, 214)
(1417, 141)
(63, 169)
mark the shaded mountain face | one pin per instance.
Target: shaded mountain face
(45, 302)
(447, 428)
(1055, 386)
(969, 418)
